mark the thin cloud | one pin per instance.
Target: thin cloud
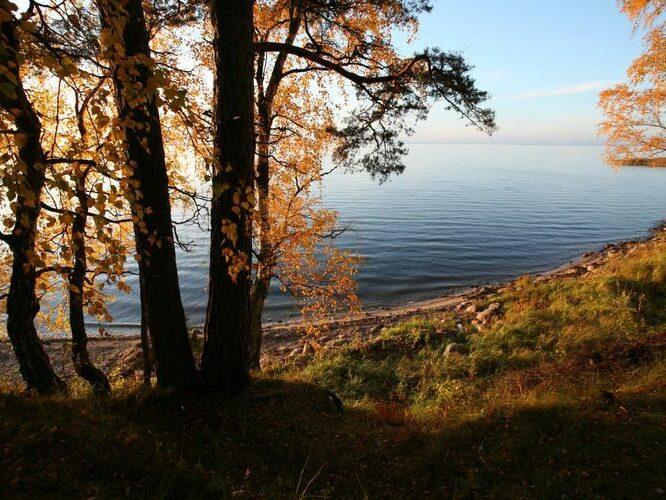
(570, 89)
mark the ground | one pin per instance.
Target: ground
(558, 392)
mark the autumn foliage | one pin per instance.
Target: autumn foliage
(112, 112)
(635, 111)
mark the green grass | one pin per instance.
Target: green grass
(564, 395)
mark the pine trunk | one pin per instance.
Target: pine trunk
(224, 363)
(22, 303)
(149, 191)
(146, 348)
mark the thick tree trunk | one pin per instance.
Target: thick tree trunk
(22, 303)
(224, 363)
(149, 192)
(82, 364)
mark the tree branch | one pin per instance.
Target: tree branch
(338, 68)
(54, 161)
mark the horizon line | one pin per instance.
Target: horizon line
(505, 143)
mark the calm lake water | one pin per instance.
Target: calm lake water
(463, 215)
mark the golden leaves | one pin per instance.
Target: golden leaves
(230, 231)
(634, 112)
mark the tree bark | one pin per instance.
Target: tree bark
(260, 289)
(22, 303)
(148, 191)
(82, 364)
(146, 348)
(267, 257)
(224, 363)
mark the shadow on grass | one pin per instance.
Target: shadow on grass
(285, 439)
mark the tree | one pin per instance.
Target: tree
(103, 80)
(292, 232)
(224, 362)
(124, 38)
(28, 183)
(303, 45)
(76, 281)
(635, 112)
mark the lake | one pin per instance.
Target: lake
(461, 215)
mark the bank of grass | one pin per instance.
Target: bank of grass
(563, 396)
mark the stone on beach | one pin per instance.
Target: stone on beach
(472, 309)
(489, 312)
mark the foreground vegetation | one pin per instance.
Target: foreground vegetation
(562, 395)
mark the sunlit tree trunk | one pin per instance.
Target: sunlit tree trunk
(149, 194)
(224, 363)
(22, 303)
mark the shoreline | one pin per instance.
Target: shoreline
(284, 340)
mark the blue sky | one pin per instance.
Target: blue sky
(543, 62)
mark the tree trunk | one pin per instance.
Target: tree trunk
(224, 363)
(22, 303)
(82, 364)
(266, 258)
(259, 293)
(149, 190)
(146, 348)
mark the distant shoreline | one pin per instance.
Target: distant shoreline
(641, 162)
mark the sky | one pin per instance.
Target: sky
(543, 63)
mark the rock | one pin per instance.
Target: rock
(590, 267)
(454, 348)
(477, 324)
(571, 271)
(472, 309)
(489, 312)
